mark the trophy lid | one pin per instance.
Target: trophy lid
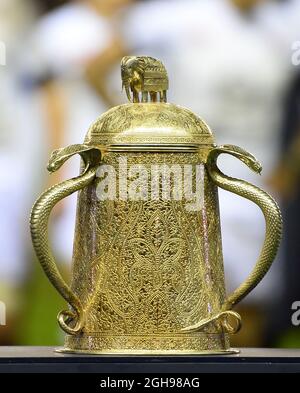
(148, 122)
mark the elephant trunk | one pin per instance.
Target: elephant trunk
(126, 85)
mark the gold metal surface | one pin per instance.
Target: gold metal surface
(147, 274)
(149, 124)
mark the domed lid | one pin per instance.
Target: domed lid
(149, 124)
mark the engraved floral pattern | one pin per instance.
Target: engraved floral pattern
(148, 268)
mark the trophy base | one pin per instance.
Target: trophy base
(230, 351)
(176, 344)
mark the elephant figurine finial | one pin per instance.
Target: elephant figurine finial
(145, 76)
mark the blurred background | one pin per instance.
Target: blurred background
(236, 63)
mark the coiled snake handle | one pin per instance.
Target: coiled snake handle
(273, 220)
(71, 321)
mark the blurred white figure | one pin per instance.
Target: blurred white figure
(235, 80)
(228, 68)
(65, 42)
(15, 17)
(282, 21)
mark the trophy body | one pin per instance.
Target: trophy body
(147, 271)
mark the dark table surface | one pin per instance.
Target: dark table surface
(45, 359)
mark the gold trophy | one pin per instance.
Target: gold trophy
(147, 270)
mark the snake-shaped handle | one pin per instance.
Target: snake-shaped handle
(266, 203)
(71, 321)
(226, 320)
